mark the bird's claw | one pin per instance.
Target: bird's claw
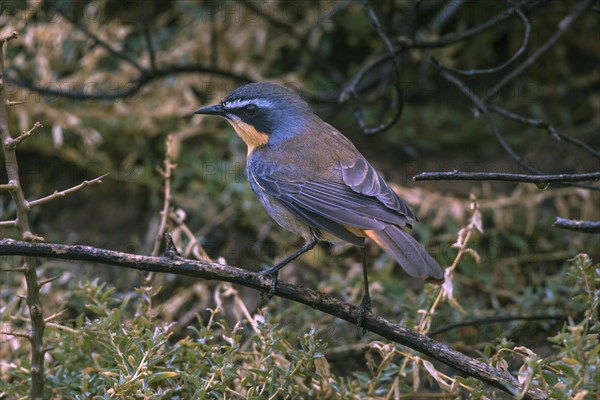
(363, 308)
(274, 276)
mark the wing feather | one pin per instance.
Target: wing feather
(361, 199)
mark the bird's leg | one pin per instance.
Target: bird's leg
(365, 304)
(273, 272)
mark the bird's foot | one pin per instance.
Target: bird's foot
(363, 308)
(274, 275)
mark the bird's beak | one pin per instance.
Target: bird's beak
(217, 109)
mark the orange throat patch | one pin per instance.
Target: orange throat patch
(249, 134)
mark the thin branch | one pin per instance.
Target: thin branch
(166, 173)
(16, 334)
(251, 5)
(97, 41)
(21, 223)
(54, 316)
(48, 280)
(6, 39)
(149, 46)
(510, 61)
(213, 271)
(214, 35)
(194, 247)
(9, 223)
(577, 225)
(507, 177)
(492, 320)
(444, 41)
(563, 26)
(7, 187)
(452, 38)
(12, 143)
(130, 88)
(482, 107)
(65, 192)
(15, 103)
(350, 91)
(16, 269)
(555, 133)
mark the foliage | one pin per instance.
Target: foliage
(118, 347)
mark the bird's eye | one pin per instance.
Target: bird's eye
(250, 110)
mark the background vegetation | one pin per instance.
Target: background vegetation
(109, 80)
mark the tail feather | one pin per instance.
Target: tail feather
(409, 253)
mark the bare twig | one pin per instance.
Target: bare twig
(507, 63)
(499, 176)
(351, 90)
(555, 133)
(563, 26)
(165, 172)
(130, 88)
(65, 192)
(21, 223)
(452, 38)
(251, 5)
(213, 271)
(193, 247)
(492, 320)
(49, 280)
(577, 225)
(15, 334)
(149, 45)
(23, 136)
(115, 53)
(16, 269)
(5, 39)
(15, 103)
(444, 41)
(482, 107)
(446, 290)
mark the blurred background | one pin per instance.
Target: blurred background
(109, 80)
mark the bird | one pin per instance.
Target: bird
(315, 183)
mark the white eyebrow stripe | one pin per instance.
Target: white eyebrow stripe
(261, 103)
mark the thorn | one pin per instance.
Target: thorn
(48, 280)
(16, 334)
(54, 316)
(14, 103)
(19, 269)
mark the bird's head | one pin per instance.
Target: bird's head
(263, 113)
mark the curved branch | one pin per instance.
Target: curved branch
(482, 108)
(350, 91)
(330, 305)
(97, 41)
(510, 61)
(555, 133)
(129, 89)
(563, 26)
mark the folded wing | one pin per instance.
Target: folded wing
(361, 199)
